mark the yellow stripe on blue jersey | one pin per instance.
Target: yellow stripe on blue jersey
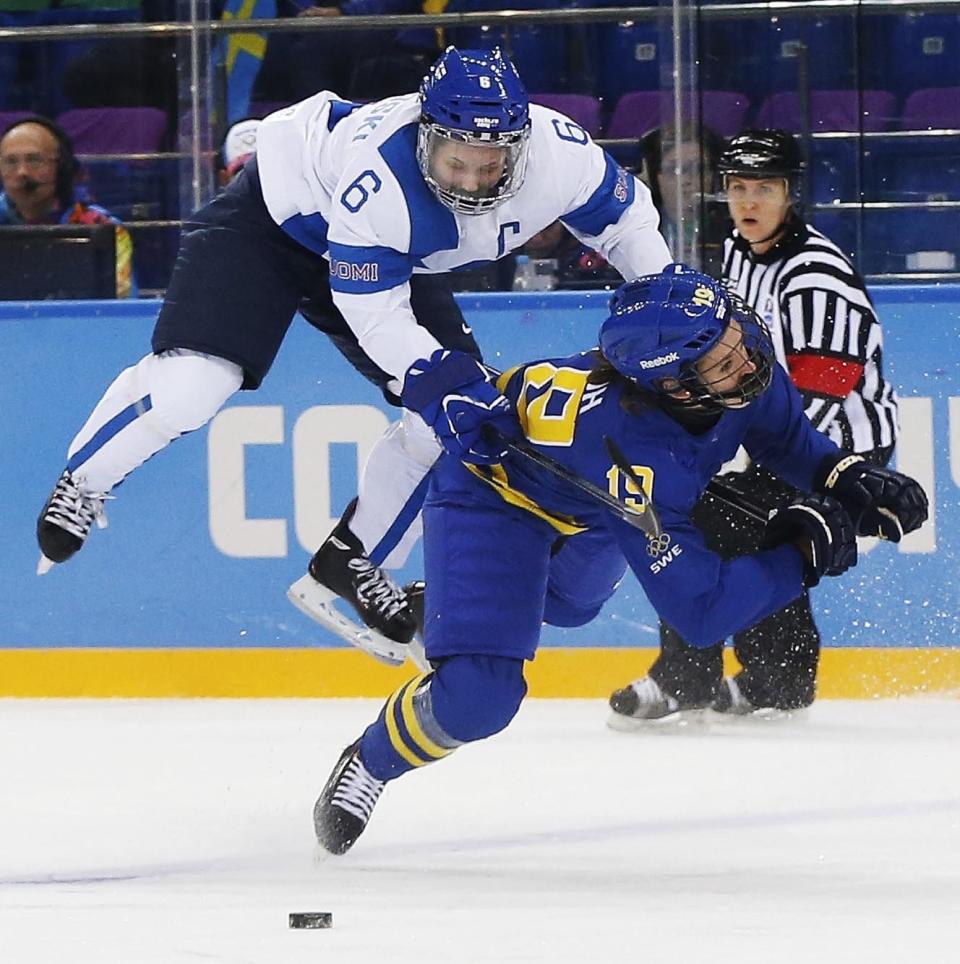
(423, 750)
(496, 476)
(548, 404)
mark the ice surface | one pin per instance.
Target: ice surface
(156, 831)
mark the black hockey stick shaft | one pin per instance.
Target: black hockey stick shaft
(725, 493)
(644, 519)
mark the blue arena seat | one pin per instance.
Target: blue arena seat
(58, 55)
(913, 241)
(911, 51)
(9, 67)
(538, 51)
(925, 167)
(763, 55)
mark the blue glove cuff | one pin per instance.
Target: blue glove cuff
(427, 381)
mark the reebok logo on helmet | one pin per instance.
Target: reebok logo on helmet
(659, 360)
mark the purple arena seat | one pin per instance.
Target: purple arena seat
(115, 130)
(932, 107)
(582, 108)
(830, 110)
(641, 111)
(8, 117)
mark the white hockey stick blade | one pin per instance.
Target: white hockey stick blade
(317, 602)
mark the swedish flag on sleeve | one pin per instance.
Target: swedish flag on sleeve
(242, 54)
(407, 725)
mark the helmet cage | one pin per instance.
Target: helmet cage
(515, 145)
(757, 352)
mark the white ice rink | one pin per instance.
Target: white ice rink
(155, 831)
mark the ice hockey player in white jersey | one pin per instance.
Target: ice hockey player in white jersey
(350, 213)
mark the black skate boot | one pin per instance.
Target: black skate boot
(731, 700)
(642, 700)
(340, 569)
(343, 809)
(414, 592)
(65, 521)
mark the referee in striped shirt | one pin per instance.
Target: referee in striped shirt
(827, 335)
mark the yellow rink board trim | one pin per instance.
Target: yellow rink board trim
(586, 673)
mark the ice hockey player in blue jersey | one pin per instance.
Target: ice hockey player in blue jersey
(351, 214)
(684, 374)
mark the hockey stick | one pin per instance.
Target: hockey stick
(644, 517)
(725, 493)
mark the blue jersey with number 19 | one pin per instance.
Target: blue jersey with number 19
(567, 416)
(344, 181)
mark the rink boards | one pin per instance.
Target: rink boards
(184, 593)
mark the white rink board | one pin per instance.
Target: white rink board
(160, 832)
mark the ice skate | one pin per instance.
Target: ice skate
(341, 570)
(643, 702)
(64, 522)
(730, 700)
(343, 809)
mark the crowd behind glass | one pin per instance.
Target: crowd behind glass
(874, 98)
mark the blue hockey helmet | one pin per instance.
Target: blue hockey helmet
(473, 98)
(681, 333)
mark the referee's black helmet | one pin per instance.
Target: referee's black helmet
(762, 153)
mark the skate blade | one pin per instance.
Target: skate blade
(316, 601)
(44, 565)
(676, 720)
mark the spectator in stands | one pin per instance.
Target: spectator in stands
(38, 173)
(578, 266)
(366, 66)
(239, 145)
(660, 152)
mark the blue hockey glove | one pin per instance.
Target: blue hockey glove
(453, 394)
(882, 502)
(822, 531)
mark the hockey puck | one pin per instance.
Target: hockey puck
(317, 920)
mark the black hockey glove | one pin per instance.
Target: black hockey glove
(821, 525)
(454, 395)
(881, 502)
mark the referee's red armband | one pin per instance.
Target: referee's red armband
(823, 375)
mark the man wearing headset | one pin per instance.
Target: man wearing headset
(38, 171)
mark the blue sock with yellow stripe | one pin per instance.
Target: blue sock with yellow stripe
(466, 698)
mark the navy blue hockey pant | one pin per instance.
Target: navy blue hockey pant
(239, 279)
